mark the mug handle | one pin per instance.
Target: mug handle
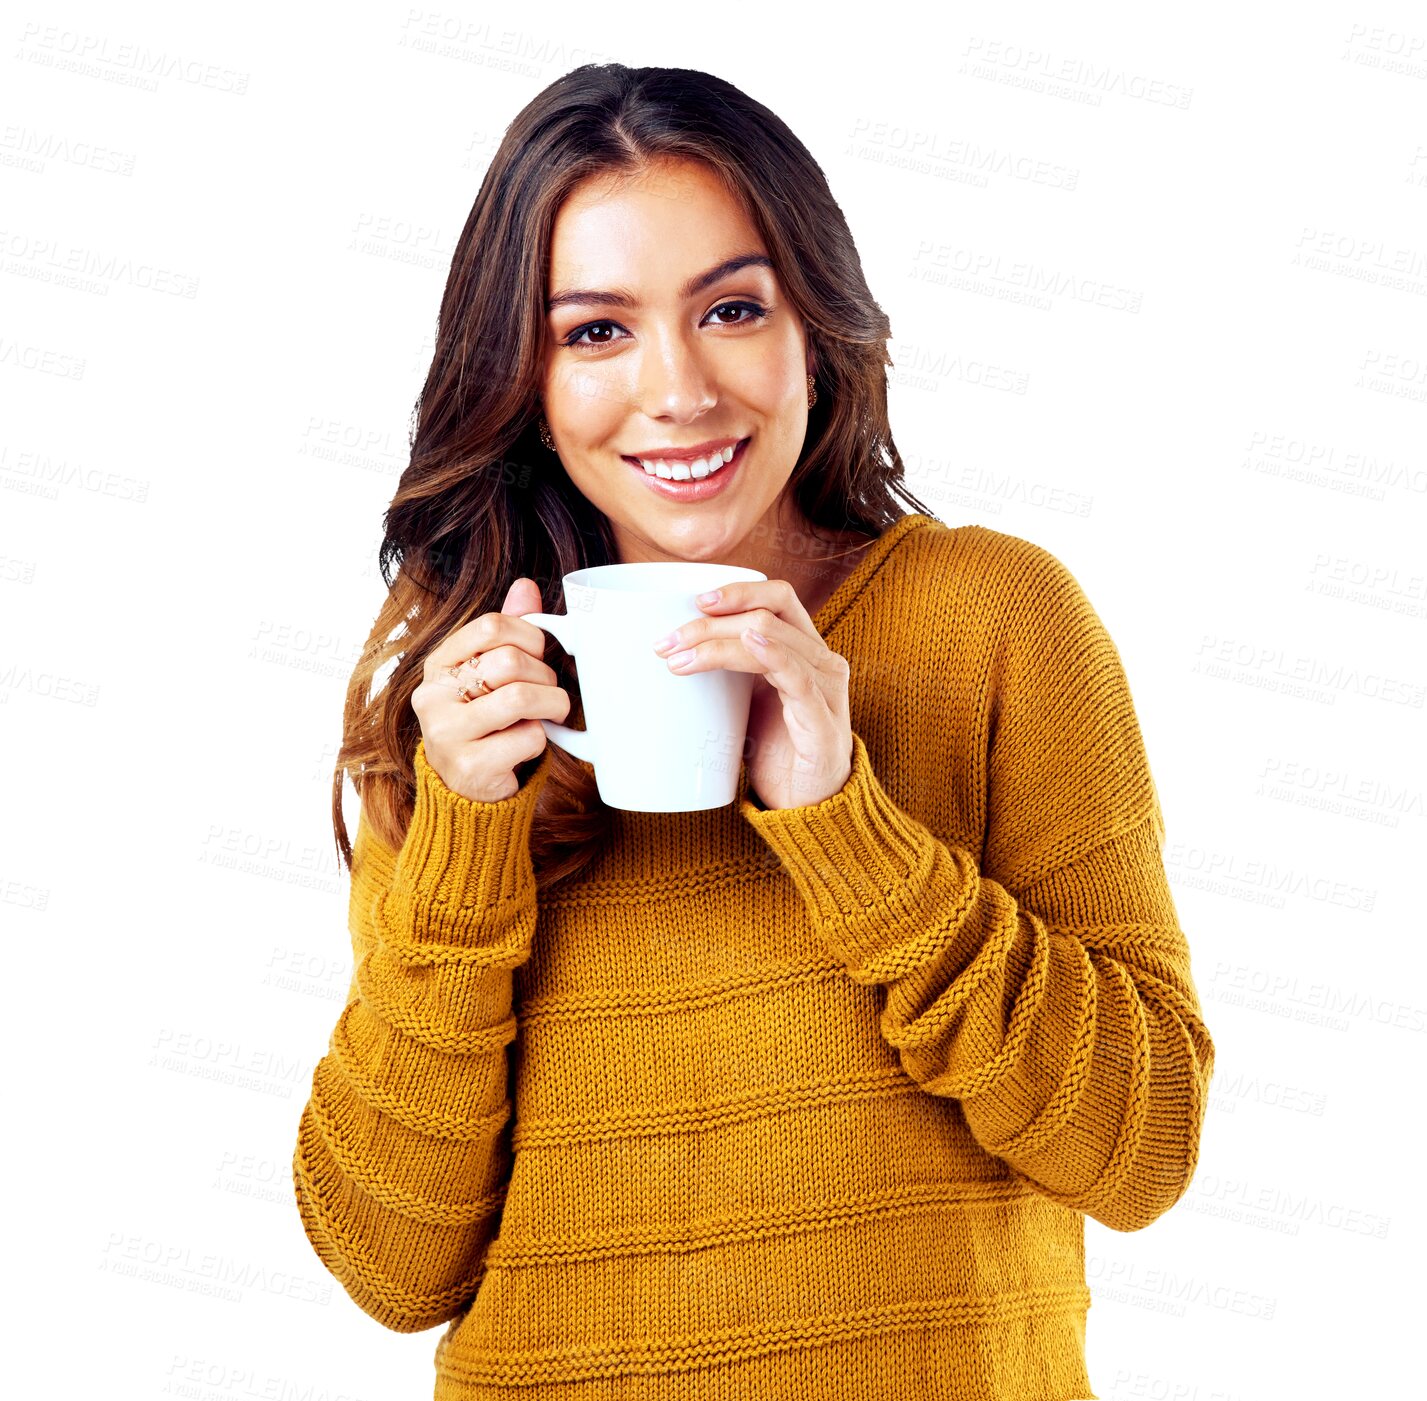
(563, 628)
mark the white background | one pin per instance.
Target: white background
(219, 286)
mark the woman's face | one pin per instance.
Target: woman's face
(672, 365)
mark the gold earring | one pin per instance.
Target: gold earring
(812, 392)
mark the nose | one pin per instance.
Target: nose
(674, 381)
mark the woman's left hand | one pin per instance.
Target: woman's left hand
(799, 745)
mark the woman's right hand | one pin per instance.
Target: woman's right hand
(475, 745)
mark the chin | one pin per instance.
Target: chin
(705, 530)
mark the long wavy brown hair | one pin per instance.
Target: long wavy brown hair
(482, 502)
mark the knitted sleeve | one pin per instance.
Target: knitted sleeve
(402, 1158)
(1056, 1003)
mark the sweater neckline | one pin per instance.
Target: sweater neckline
(842, 597)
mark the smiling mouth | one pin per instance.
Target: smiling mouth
(696, 470)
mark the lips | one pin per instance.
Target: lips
(711, 451)
(691, 453)
(695, 488)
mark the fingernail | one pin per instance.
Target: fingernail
(665, 643)
(708, 597)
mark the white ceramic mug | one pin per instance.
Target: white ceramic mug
(659, 742)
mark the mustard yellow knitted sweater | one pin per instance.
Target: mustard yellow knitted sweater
(805, 1103)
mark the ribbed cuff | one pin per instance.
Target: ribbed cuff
(464, 867)
(855, 858)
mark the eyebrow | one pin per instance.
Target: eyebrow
(621, 297)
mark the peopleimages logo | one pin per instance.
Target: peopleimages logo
(176, 1265)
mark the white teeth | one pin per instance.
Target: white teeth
(685, 471)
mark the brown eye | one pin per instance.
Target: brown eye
(575, 340)
(755, 311)
(574, 337)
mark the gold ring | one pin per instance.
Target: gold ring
(454, 672)
(482, 688)
(470, 661)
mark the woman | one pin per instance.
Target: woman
(809, 1095)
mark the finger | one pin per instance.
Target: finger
(523, 596)
(451, 719)
(500, 667)
(492, 630)
(776, 595)
(780, 664)
(702, 631)
(797, 682)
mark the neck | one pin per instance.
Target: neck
(815, 560)
(786, 545)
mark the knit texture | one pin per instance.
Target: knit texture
(803, 1103)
